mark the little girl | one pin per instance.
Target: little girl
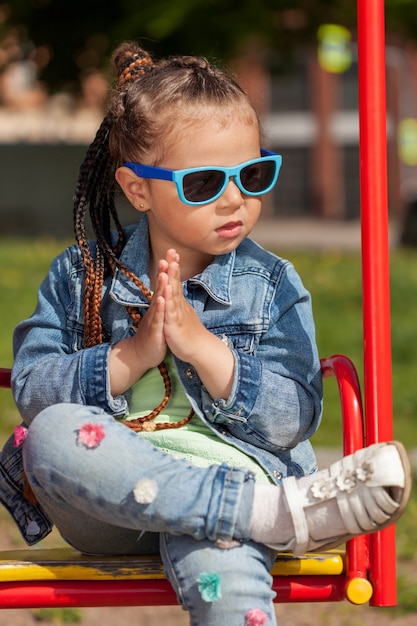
(169, 377)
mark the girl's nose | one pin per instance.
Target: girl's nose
(231, 195)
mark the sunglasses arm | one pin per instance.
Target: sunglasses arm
(148, 171)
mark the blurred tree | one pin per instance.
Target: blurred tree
(80, 34)
(74, 33)
(401, 18)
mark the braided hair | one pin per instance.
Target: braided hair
(144, 108)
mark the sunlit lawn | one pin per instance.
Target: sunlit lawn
(334, 280)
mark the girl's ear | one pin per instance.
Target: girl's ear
(133, 187)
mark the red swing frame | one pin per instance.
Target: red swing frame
(370, 561)
(375, 268)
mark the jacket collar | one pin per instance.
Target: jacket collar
(215, 279)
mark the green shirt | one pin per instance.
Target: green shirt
(195, 441)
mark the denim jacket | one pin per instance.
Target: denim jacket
(250, 298)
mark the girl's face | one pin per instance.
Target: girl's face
(199, 233)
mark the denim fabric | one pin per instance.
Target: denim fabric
(242, 573)
(31, 520)
(90, 494)
(250, 298)
(123, 481)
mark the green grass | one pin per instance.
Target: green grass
(24, 264)
(335, 282)
(334, 279)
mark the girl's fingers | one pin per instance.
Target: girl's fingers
(174, 271)
(172, 255)
(174, 279)
(160, 285)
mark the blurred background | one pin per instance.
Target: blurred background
(297, 59)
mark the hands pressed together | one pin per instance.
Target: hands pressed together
(171, 324)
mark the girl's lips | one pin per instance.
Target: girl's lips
(231, 229)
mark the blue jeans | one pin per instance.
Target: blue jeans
(103, 486)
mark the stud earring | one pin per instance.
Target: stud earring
(142, 206)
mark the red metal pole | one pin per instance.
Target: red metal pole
(375, 265)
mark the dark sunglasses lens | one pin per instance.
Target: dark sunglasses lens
(258, 176)
(202, 186)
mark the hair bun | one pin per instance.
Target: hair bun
(131, 61)
(137, 66)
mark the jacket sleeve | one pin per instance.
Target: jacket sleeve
(276, 398)
(50, 363)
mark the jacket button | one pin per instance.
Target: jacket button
(189, 372)
(277, 474)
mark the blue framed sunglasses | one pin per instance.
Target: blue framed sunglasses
(201, 185)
